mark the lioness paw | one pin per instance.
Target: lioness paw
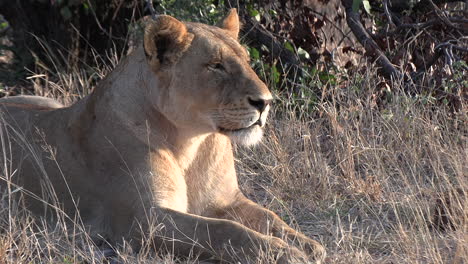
(315, 251)
(286, 254)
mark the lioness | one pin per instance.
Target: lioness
(151, 146)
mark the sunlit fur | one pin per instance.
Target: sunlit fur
(248, 136)
(152, 147)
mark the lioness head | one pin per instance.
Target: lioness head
(206, 79)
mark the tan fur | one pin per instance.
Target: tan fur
(231, 23)
(151, 146)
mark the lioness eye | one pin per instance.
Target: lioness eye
(217, 66)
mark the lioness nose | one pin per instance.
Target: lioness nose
(260, 104)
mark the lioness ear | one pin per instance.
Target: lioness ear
(231, 23)
(166, 38)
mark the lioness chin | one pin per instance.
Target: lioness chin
(152, 146)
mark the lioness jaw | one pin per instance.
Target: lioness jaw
(151, 146)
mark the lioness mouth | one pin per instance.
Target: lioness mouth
(226, 130)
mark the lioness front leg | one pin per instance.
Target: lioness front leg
(262, 220)
(191, 234)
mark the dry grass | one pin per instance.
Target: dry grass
(362, 179)
(365, 181)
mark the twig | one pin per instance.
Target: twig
(333, 23)
(435, 22)
(423, 25)
(99, 23)
(441, 14)
(149, 4)
(446, 49)
(388, 13)
(427, 65)
(460, 48)
(423, 4)
(117, 9)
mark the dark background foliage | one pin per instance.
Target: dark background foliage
(422, 42)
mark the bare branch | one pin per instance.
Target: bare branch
(367, 42)
(428, 3)
(423, 25)
(388, 13)
(256, 33)
(149, 4)
(443, 49)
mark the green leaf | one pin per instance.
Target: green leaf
(313, 71)
(3, 25)
(254, 53)
(253, 12)
(289, 46)
(327, 77)
(275, 74)
(356, 5)
(367, 6)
